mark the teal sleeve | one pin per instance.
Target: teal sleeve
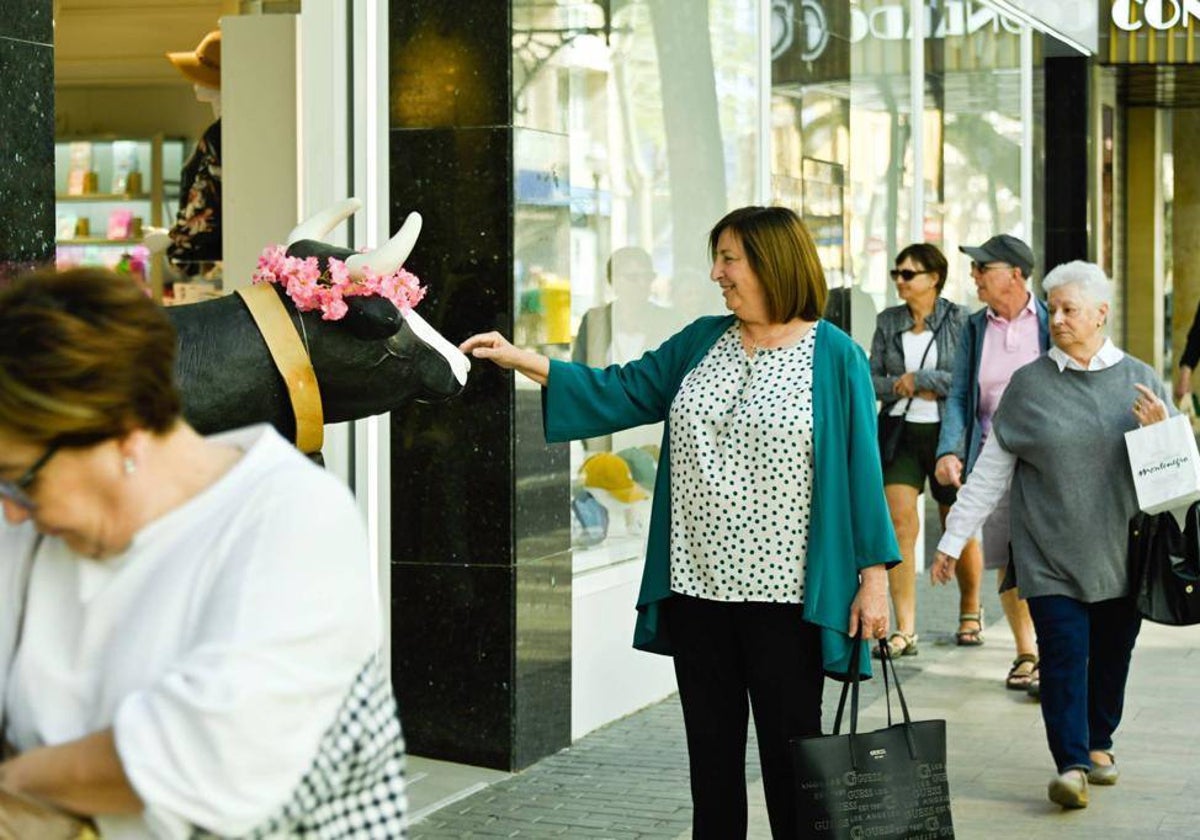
(581, 402)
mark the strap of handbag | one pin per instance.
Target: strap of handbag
(26, 580)
(924, 356)
(851, 685)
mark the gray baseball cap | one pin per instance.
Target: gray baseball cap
(1002, 248)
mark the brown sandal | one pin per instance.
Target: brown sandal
(970, 638)
(1019, 676)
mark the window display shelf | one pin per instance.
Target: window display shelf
(98, 240)
(107, 191)
(101, 198)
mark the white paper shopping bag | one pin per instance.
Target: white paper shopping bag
(1165, 464)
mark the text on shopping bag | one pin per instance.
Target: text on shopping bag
(1165, 464)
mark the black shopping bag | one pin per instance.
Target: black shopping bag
(890, 783)
(1164, 566)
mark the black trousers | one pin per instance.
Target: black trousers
(731, 658)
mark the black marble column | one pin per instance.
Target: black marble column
(1066, 171)
(481, 564)
(26, 135)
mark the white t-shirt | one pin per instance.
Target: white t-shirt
(220, 646)
(923, 410)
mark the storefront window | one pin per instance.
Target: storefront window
(627, 154)
(637, 132)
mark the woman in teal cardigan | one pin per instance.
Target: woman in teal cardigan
(769, 534)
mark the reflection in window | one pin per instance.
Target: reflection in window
(637, 132)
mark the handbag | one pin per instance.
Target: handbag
(891, 426)
(891, 429)
(1164, 566)
(888, 783)
(22, 817)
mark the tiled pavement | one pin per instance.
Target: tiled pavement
(628, 780)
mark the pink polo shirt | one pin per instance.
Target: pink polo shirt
(1007, 345)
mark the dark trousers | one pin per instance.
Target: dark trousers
(1085, 651)
(730, 658)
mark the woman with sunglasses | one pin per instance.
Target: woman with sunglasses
(188, 625)
(912, 355)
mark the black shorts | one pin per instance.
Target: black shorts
(916, 457)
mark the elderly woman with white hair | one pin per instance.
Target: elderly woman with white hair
(1059, 426)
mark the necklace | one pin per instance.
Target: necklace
(784, 336)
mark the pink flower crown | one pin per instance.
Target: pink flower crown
(310, 289)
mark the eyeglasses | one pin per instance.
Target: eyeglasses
(15, 491)
(984, 268)
(905, 274)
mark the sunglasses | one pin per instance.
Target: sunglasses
(983, 268)
(15, 491)
(905, 274)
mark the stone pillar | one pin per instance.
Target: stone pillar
(1066, 181)
(1185, 230)
(481, 571)
(1144, 306)
(26, 135)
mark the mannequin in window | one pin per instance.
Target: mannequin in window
(632, 322)
(196, 235)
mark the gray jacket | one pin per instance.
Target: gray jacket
(887, 350)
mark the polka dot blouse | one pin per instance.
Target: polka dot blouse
(742, 472)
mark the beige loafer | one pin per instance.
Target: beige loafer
(1070, 789)
(1104, 774)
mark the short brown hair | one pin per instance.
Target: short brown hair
(781, 253)
(84, 356)
(930, 258)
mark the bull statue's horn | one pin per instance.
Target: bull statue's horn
(319, 224)
(391, 255)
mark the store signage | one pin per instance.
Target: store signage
(813, 24)
(793, 20)
(947, 19)
(1157, 14)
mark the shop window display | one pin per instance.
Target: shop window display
(623, 162)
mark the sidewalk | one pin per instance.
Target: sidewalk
(628, 780)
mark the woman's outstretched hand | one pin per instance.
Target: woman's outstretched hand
(498, 349)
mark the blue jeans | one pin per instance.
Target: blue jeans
(1085, 651)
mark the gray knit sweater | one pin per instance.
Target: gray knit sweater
(1072, 490)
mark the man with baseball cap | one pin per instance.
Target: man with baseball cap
(1011, 330)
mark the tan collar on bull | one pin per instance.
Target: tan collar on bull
(292, 361)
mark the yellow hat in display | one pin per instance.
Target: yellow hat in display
(610, 472)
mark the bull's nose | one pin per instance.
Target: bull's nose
(457, 360)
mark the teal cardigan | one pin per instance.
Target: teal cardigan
(849, 523)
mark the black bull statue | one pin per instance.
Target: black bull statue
(373, 360)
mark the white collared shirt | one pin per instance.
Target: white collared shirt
(994, 468)
(1107, 356)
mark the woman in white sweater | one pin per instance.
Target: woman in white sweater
(188, 626)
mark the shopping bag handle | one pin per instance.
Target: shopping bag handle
(851, 687)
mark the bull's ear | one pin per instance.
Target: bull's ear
(370, 317)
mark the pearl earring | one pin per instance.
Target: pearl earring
(130, 466)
